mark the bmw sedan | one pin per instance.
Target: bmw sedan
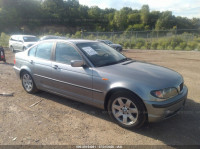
(91, 72)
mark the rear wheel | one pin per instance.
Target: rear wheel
(28, 83)
(127, 110)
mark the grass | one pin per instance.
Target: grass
(178, 42)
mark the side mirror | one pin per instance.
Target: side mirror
(20, 41)
(77, 63)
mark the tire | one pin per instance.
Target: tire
(12, 49)
(28, 83)
(127, 110)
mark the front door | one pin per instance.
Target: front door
(42, 65)
(73, 82)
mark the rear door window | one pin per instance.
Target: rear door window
(32, 51)
(44, 50)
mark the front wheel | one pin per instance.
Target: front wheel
(28, 83)
(127, 110)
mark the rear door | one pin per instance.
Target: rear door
(73, 82)
(43, 65)
(31, 60)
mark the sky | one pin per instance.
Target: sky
(184, 8)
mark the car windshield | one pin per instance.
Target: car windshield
(100, 54)
(108, 42)
(30, 39)
(50, 37)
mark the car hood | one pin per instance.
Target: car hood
(151, 75)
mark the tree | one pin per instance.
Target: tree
(15, 14)
(121, 18)
(153, 17)
(134, 18)
(145, 14)
(165, 21)
(196, 22)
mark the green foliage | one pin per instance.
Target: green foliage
(136, 27)
(175, 41)
(165, 21)
(126, 45)
(163, 44)
(145, 14)
(140, 43)
(77, 35)
(132, 45)
(198, 48)
(4, 39)
(129, 41)
(154, 45)
(68, 36)
(148, 45)
(15, 14)
(192, 45)
(134, 18)
(31, 14)
(183, 45)
(121, 18)
(178, 48)
(57, 34)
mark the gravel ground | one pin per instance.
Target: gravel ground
(59, 121)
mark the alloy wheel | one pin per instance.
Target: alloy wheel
(27, 82)
(125, 111)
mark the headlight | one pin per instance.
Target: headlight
(165, 93)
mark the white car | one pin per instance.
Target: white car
(21, 42)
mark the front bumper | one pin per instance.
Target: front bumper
(158, 111)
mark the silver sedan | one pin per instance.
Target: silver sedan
(91, 72)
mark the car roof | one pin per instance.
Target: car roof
(24, 35)
(50, 36)
(102, 40)
(75, 41)
(47, 37)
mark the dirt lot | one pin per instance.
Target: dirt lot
(60, 121)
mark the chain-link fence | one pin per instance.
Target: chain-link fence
(148, 39)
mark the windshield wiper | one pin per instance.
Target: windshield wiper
(107, 64)
(124, 60)
(112, 63)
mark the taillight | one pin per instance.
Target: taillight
(14, 61)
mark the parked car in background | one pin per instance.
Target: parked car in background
(21, 42)
(94, 73)
(51, 37)
(117, 47)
